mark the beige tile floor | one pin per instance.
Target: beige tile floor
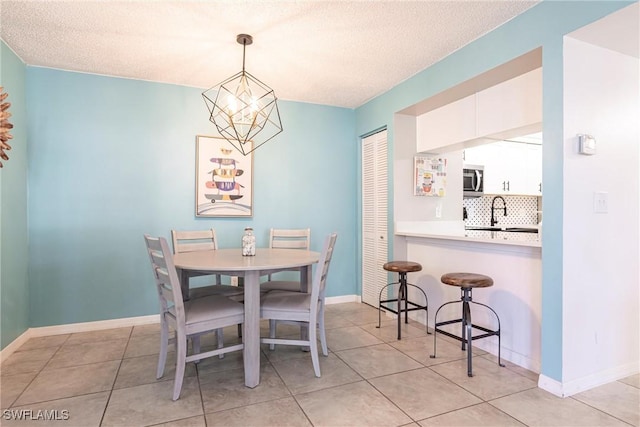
(107, 378)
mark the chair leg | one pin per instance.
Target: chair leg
(272, 332)
(426, 303)
(496, 332)
(384, 288)
(467, 325)
(313, 348)
(405, 295)
(181, 355)
(195, 343)
(304, 335)
(435, 333)
(435, 326)
(220, 336)
(400, 298)
(323, 336)
(380, 306)
(164, 344)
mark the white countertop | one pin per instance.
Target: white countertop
(454, 230)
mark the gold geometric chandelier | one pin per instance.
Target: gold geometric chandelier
(243, 109)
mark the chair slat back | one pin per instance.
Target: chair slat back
(290, 238)
(191, 241)
(166, 277)
(322, 270)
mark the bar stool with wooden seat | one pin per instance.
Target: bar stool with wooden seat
(466, 282)
(402, 268)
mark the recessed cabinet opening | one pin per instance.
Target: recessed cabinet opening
(489, 130)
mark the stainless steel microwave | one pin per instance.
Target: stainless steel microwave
(473, 180)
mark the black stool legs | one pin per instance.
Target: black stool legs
(402, 297)
(467, 327)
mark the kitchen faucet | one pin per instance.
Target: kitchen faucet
(494, 221)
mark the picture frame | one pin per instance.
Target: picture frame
(224, 179)
(429, 176)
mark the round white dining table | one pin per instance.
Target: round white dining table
(232, 262)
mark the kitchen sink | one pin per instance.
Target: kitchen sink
(521, 230)
(506, 229)
(483, 228)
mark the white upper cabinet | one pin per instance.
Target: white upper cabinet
(479, 155)
(447, 125)
(534, 169)
(509, 109)
(506, 172)
(509, 106)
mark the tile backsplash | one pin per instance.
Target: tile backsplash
(521, 210)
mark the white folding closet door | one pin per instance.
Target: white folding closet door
(374, 216)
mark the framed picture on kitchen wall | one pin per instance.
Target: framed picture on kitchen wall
(224, 179)
(429, 176)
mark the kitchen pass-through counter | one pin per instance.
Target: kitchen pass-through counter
(455, 230)
(512, 259)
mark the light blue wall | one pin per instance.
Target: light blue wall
(14, 285)
(111, 159)
(543, 25)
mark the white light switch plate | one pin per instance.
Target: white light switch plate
(600, 202)
(586, 145)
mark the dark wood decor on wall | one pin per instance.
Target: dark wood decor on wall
(5, 126)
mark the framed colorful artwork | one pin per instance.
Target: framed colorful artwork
(224, 179)
(430, 176)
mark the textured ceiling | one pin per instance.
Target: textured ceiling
(340, 53)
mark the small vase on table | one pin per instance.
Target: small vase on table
(248, 242)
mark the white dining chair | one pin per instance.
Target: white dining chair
(286, 239)
(305, 309)
(202, 240)
(190, 318)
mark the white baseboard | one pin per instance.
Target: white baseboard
(342, 298)
(491, 346)
(14, 345)
(73, 328)
(551, 385)
(569, 388)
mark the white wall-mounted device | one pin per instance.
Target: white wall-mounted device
(586, 144)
